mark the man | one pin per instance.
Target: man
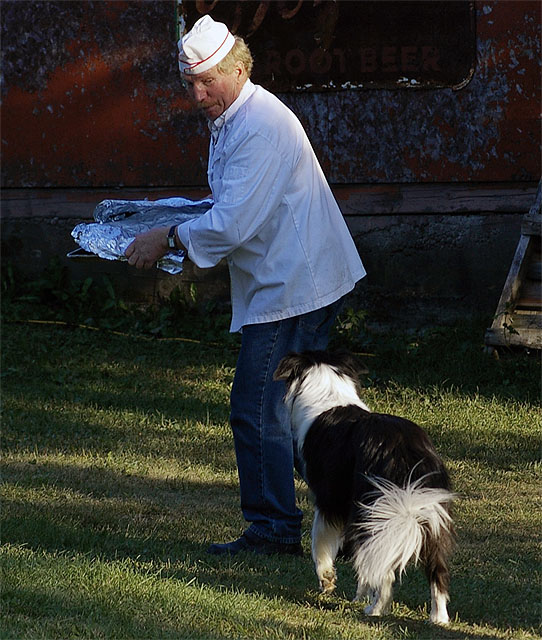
(291, 260)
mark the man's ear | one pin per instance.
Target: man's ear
(240, 71)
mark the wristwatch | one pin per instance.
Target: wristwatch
(171, 237)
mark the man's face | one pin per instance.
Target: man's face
(213, 92)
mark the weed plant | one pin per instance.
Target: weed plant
(55, 297)
(119, 470)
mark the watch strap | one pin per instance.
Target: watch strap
(171, 239)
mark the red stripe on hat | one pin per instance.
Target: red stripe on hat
(196, 64)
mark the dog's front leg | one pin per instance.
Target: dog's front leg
(326, 542)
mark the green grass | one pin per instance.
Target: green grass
(118, 470)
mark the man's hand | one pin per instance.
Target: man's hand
(147, 248)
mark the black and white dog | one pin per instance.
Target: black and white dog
(381, 491)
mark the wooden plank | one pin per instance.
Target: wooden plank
(434, 198)
(518, 320)
(354, 200)
(527, 320)
(530, 289)
(530, 338)
(513, 282)
(529, 304)
(78, 203)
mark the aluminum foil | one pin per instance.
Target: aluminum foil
(119, 221)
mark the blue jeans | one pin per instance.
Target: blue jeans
(261, 426)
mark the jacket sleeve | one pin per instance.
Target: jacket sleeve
(254, 180)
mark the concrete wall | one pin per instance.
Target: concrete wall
(434, 253)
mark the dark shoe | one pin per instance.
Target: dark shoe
(252, 543)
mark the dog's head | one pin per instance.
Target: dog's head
(317, 381)
(294, 367)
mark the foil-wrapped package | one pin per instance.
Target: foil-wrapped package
(119, 221)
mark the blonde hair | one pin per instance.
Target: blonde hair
(239, 53)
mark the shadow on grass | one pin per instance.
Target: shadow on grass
(112, 516)
(104, 618)
(87, 612)
(506, 449)
(74, 431)
(72, 416)
(406, 627)
(453, 358)
(87, 509)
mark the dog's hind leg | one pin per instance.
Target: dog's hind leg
(326, 542)
(382, 597)
(439, 599)
(437, 573)
(435, 559)
(363, 591)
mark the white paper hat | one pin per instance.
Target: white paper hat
(205, 45)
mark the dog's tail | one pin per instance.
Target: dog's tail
(396, 527)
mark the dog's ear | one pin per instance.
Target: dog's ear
(290, 367)
(349, 364)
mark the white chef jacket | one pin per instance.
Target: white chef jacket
(275, 219)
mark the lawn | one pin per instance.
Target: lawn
(118, 470)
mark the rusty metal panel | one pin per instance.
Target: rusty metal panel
(328, 45)
(91, 97)
(487, 131)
